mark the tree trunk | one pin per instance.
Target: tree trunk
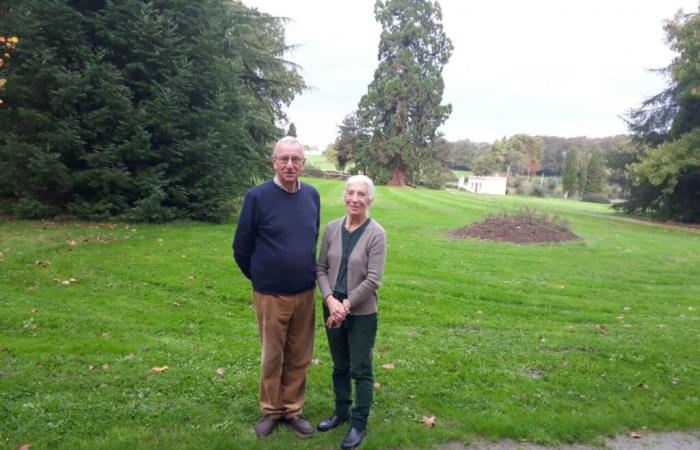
(398, 177)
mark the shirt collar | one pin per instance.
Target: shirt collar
(277, 181)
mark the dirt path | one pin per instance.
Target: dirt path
(674, 440)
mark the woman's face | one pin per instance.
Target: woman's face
(357, 199)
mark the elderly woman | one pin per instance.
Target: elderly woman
(349, 271)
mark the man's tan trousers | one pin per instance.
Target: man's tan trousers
(286, 326)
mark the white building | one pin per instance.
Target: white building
(484, 185)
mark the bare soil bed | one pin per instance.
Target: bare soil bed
(520, 228)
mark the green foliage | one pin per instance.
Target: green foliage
(142, 110)
(292, 130)
(537, 191)
(521, 154)
(492, 159)
(402, 108)
(595, 175)
(667, 177)
(582, 174)
(595, 198)
(673, 169)
(351, 143)
(570, 179)
(462, 153)
(555, 150)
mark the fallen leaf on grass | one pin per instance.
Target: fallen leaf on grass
(35, 310)
(602, 327)
(561, 286)
(634, 434)
(24, 447)
(220, 372)
(2, 254)
(72, 243)
(315, 361)
(377, 386)
(428, 421)
(643, 386)
(192, 277)
(159, 369)
(387, 366)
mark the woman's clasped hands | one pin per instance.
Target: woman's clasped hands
(338, 311)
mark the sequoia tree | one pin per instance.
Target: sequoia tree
(139, 109)
(402, 107)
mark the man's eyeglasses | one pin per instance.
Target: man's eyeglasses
(296, 160)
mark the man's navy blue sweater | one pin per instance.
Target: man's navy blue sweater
(275, 240)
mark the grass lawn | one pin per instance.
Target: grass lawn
(320, 161)
(549, 343)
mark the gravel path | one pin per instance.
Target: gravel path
(675, 440)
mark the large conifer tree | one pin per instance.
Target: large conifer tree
(139, 109)
(402, 107)
(666, 180)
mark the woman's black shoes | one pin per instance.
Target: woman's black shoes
(330, 423)
(353, 438)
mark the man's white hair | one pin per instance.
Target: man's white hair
(362, 179)
(288, 140)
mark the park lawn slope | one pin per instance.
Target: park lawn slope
(549, 343)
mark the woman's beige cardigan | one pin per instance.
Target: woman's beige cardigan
(365, 265)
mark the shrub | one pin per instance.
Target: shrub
(312, 170)
(28, 208)
(537, 191)
(595, 198)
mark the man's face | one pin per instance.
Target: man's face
(288, 162)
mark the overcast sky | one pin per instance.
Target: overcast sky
(541, 67)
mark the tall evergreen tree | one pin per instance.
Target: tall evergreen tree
(666, 180)
(402, 106)
(570, 179)
(140, 109)
(292, 130)
(595, 175)
(582, 173)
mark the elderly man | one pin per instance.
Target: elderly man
(275, 247)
